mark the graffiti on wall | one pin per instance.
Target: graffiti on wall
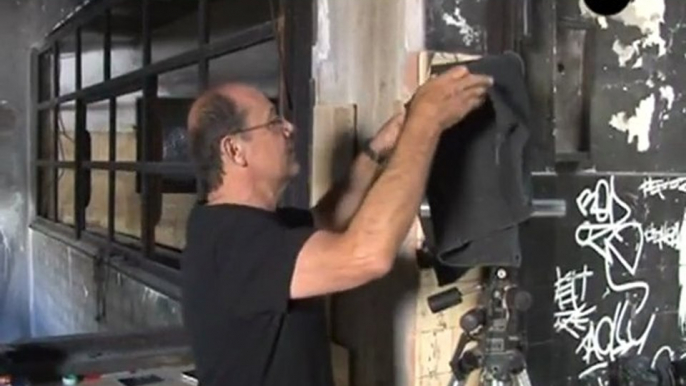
(620, 318)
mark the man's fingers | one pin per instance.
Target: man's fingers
(457, 72)
(473, 81)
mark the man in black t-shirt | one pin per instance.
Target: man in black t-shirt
(253, 274)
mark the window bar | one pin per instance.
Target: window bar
(37, 80)
(149, 91)
(112, 130)
(79, 137)
(203, 39)
(55, 132)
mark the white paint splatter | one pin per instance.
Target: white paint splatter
(469, 34)
(638, 125)
(638, 64)
(624, 53)
(667, 93)
(648, 16)
(682, 275)
(586, 12)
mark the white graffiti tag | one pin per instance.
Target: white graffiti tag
(609, 229)
(613, 336)
(610, 225)
(664, 235)
(657, 186)
(572, 314)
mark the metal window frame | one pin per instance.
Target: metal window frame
(154, 258)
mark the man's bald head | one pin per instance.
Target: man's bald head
(214, 115)
(236, 94)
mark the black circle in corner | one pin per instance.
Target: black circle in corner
(607, 7)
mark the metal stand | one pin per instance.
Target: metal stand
(494, 325)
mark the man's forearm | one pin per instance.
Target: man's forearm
(337, 207)
(386, 214)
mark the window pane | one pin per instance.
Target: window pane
(67, 64)
(67, 128)
(46, 75)
(65, 196)
(257, 65)
(171, 229)
(227, 17)
(127, 37)
(93, 51)
(97, 125)
(127, 126)
(46, 134)
(127, 220)
(179, 83)
(174, 27)
(96, 211)
(46, 193)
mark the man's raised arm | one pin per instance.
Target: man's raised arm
(336, 261)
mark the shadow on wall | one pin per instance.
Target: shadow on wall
(374, 323)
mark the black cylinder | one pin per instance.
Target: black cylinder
(445, 299)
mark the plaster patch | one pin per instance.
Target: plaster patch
(323, 46)
(637, 125)
(469, 34)
(646, 15)
(667, 93)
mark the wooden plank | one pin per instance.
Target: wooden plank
(333, 146)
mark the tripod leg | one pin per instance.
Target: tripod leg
(522, 378)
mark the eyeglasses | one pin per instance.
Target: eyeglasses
(276, 122)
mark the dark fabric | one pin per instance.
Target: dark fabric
(479, 186)
(244, 329)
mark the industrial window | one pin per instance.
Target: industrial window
(113, 85)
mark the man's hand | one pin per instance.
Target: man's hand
(385, 139)
(446, 99)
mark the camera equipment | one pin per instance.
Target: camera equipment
(477, 195)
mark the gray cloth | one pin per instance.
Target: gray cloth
(479, 186)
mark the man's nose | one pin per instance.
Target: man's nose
(288, 129)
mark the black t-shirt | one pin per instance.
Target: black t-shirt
(244, 329)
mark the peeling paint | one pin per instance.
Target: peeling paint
(667, 93)
(624, 53)
(646, 15)
(637, 125)
(469, 34)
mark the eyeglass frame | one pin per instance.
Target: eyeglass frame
(277, 120)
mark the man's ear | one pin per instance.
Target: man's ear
(234, 150)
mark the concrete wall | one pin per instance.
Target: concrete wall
(68, 298)
(21, 23)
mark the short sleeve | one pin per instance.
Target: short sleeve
(258, 266)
